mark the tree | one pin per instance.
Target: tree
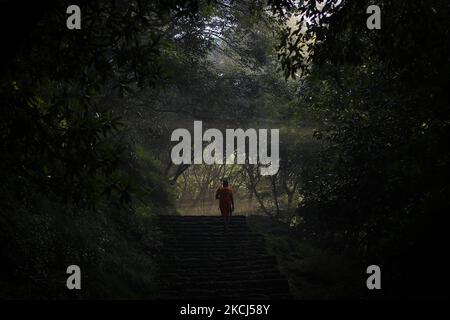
(379, 187)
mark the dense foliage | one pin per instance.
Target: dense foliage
(67, 179)
(381, 186)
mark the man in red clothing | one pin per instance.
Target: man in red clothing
(226, 202)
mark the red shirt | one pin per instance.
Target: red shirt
(225, 195)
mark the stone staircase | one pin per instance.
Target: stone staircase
(202, 261)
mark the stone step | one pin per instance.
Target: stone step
(228, 295)
(219, 230)
(236, 259)
(212, 236)
(199, 243)
(207, 224)
(238, 262)
(198, 222)
(212, 249)
(223, 276)
(201, 221)
(188, 235)
(192, 267)
(188, 218)
(245, 258)
(218, 255)
(203, 261)
(242, 284)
